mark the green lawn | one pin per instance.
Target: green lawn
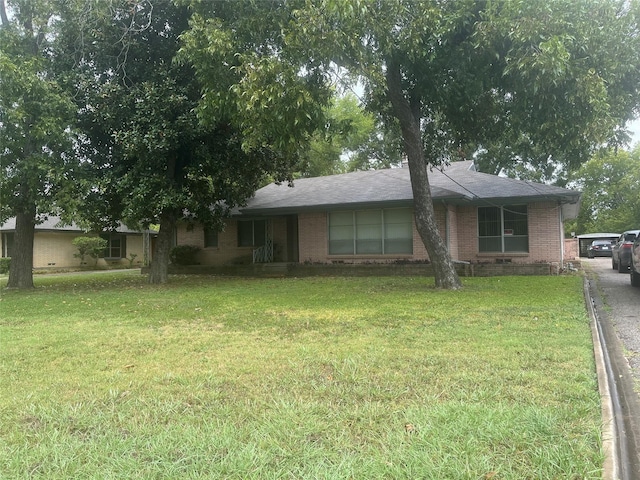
(103, 376)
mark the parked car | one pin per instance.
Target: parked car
(621, 252)
(599, 248)
(635, 262)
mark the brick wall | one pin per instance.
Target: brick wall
(571, 249)
(55, 250)
(228, 251)
(545, 243)
(452, 237)
(312, 237)
(461, 230)
(545, 233)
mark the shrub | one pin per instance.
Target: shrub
(89, 246)
(184, 254)
(131, 258)
(5, 263)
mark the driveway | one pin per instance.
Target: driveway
(617, 310)
(621, 307)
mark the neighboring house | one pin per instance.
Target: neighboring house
(367, 217)
(52, 247)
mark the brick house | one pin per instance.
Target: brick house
(367, 217)
(52, 247)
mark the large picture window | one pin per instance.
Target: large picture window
(371, 232)
(251, 233)
(503, 229)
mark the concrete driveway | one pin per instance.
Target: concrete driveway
(616, 306)
(621, 307)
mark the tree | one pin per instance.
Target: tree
(347, 128)
(523, 82)
(160, 157)
(37, 160)
(352, 139)
(89, 246)
(610, 183)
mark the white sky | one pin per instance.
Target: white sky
(634, 127)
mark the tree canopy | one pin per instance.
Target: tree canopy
(185, 107)
(352, 139)
(526, 83)
(610, 183)
(37, 130)
(160, 156)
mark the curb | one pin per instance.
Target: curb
(611, 467)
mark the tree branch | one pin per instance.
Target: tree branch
(3, 14)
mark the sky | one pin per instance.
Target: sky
(634, 127)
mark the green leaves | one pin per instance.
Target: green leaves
(36, 126)
(609, 182)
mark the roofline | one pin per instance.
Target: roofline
(453, 200)
(324, 207)
(82, 232)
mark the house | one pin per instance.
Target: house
(367, 217)
(52, 247)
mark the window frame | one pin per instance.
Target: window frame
(508, 228)
(110, 237)
(362, 221)
(254, 238)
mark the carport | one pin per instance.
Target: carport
(585, 240)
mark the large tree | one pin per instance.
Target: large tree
(610, 183)
(352, 139)
(525, 82)
(37, 157)
(519, 82)
(162, 159)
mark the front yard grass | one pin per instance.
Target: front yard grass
(104, 376)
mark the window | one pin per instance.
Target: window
(251, 233)
(7, 244)
(210, 238)
(116, 247)
(503, 229)
(371, 232)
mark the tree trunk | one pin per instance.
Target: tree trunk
(159, 271)
(443, 267)
(21, 269)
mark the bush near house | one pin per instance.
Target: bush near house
(184, 254)
(5, 263)
(89, 247)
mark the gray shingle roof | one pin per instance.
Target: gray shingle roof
(459, 183)
(52, 223)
